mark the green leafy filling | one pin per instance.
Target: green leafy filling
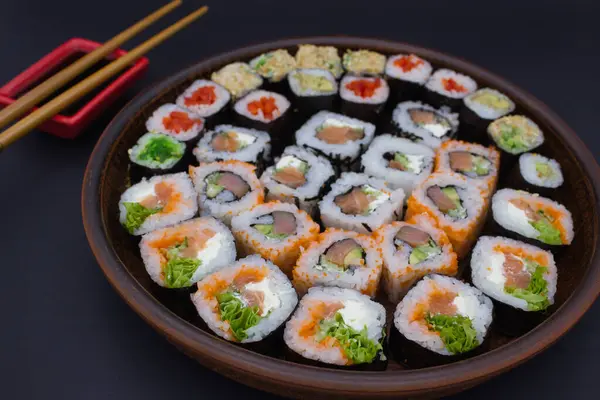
(456, 331)
(161, 149)
(424, 252)
(136, 215)
(269, 231)
(239, 317)
(212, 187)
(512, 139)
(179, 270)
(536, 293)
(549, 234)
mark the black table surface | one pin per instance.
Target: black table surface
(67, 335)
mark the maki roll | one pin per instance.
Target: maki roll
(337, 326)
(363, 97)
(226, 188)
(339, 258)
(531, 216)
(175, 121)
(407, 73)
(155, 153)
(360, 203)
(479, 109)
(158, 202)
(238, 78)
(321, 57)
(181, 255)
(457, 206)
(274, 65)
(364, 62)
(515, 134)
(299, 176)
(336, 136)
(315, 89)
(447, 88)
(204, 98)
(440, 320)
(538, 174)
(412, 250)
(400, 162)
(424, 124)
(276, 231)
(246, 301)
(228, 142)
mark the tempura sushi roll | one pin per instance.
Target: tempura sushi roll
(155, 153)
(532, 216)
(400, 162)
(340, 258)
(538, 174)
(337, 326)
(360, 203)
(457, 206)
(276, 231)
(315, 89)
(321, 57)
(363, 97)
(175, 121)
(204, 98)
(515, 134)
(238, 78)
(158, 202)
(423, 123)
(479, 109)
(440, 320)
(181, 255)
(407, 73)
(274, 65)
(364, 62)
(299, 176)
(447, 88)
(226, 188)
(246, 301)
(412, 250)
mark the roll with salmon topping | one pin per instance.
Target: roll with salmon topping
(339, 258)
(246, 301)
(175, 121)
(423, 123)
(447, 88)
(226, 188)
(363, 97)
(407, 73)
(276, 231)
(204, 98)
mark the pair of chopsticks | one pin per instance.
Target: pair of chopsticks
(26, 102)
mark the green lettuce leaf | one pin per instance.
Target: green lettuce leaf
(456, 331)
(549, 234)
(136, 215)
(536, 293)
(240, 317)
(179, 271)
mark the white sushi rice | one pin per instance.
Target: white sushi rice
(186, 207)
(238, 78)
(389, 208)
(374, 164)
(469, 302)
(217, 252)
(380, 95)
(141, 144)
(403, 120)
(488, 271)
(258, 145)
(434, 83)
(205, 110)
(306, 136)
(358, 311)
(514, 219)
(527, 166)
(298, 90)
(419, 74)
(156, 123)
(279, 298)
(486, 111)
(241, 106)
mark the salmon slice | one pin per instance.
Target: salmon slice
(524, 206)
(234, 183)
(355, 202)
(254, 298)
(422, 117)
(413, 236)
(516, 277)
(338, 251)
(440, 199)
(396, 165)
(441, 302)
(339, 134)
(290, 176)
(162, 195)
(226, 141)
(461, 161)
(196, 241)
(284, 223)
(247, 276)
(204, 95)
(178, 121)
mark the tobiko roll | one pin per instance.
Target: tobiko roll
(155, 153)
(321, 57)
(315, 89)
(363, 97)
(407, 73)
(238, 78)
(175, 121)
(204, 98)
(423, 123)
(447, 88)
(364, 62)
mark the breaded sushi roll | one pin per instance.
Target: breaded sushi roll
(360, 203)
(204, 98)
(364, 62)
(276, 231)
(321, 57)
(515, 134)
(424, 124)
(226, 188)
(176, 122)
(181, 255)
(447, 88)
(246, 301)
(457, 206)
(274, 65)
(158, 202)
(412, 250)
(337, 326)
(339, 258)
(238, 78)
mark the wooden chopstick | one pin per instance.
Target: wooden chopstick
(56, 105)
(26, 102)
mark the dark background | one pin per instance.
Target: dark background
(66, 334)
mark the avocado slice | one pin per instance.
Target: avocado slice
(325, 264)
(481, 166)
(267, 230)
(213, 190)
(353, 257)
(492, 100)
(543, 169)
(452, 194)
(423, 252)
(403, 160)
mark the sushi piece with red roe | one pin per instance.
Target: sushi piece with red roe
(177, 122)
(205, 98)
(363, 97)
(407, 73)
(448, 88)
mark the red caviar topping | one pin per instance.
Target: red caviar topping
(204, 95)
(408, 63)
(265, 104)
(452, 86)
(178, 121)
(364, 87)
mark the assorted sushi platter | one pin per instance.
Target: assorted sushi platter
(345, 204)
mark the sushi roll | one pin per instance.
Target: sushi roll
(537, 174)
(400, 162)
(531, 216)
(321, 57)
(440, 320)
(337, 326)
(363, 97)
(479, 109)
(155, 153)
(515, 134)
(339, 258)
(315, 89)
(181, 255)
(245, 301)
(339, 138)
(299, 176)
(158, 202)
(228, 142)
(175, 121)
(204, 98)
(447, 88)
(274, 65)
(238, 78)
(360, 203)
(364, 62)
(407, 73)
(226, 188)
(276, 231)
(423, 123)
(412, 250)
(457, 206)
